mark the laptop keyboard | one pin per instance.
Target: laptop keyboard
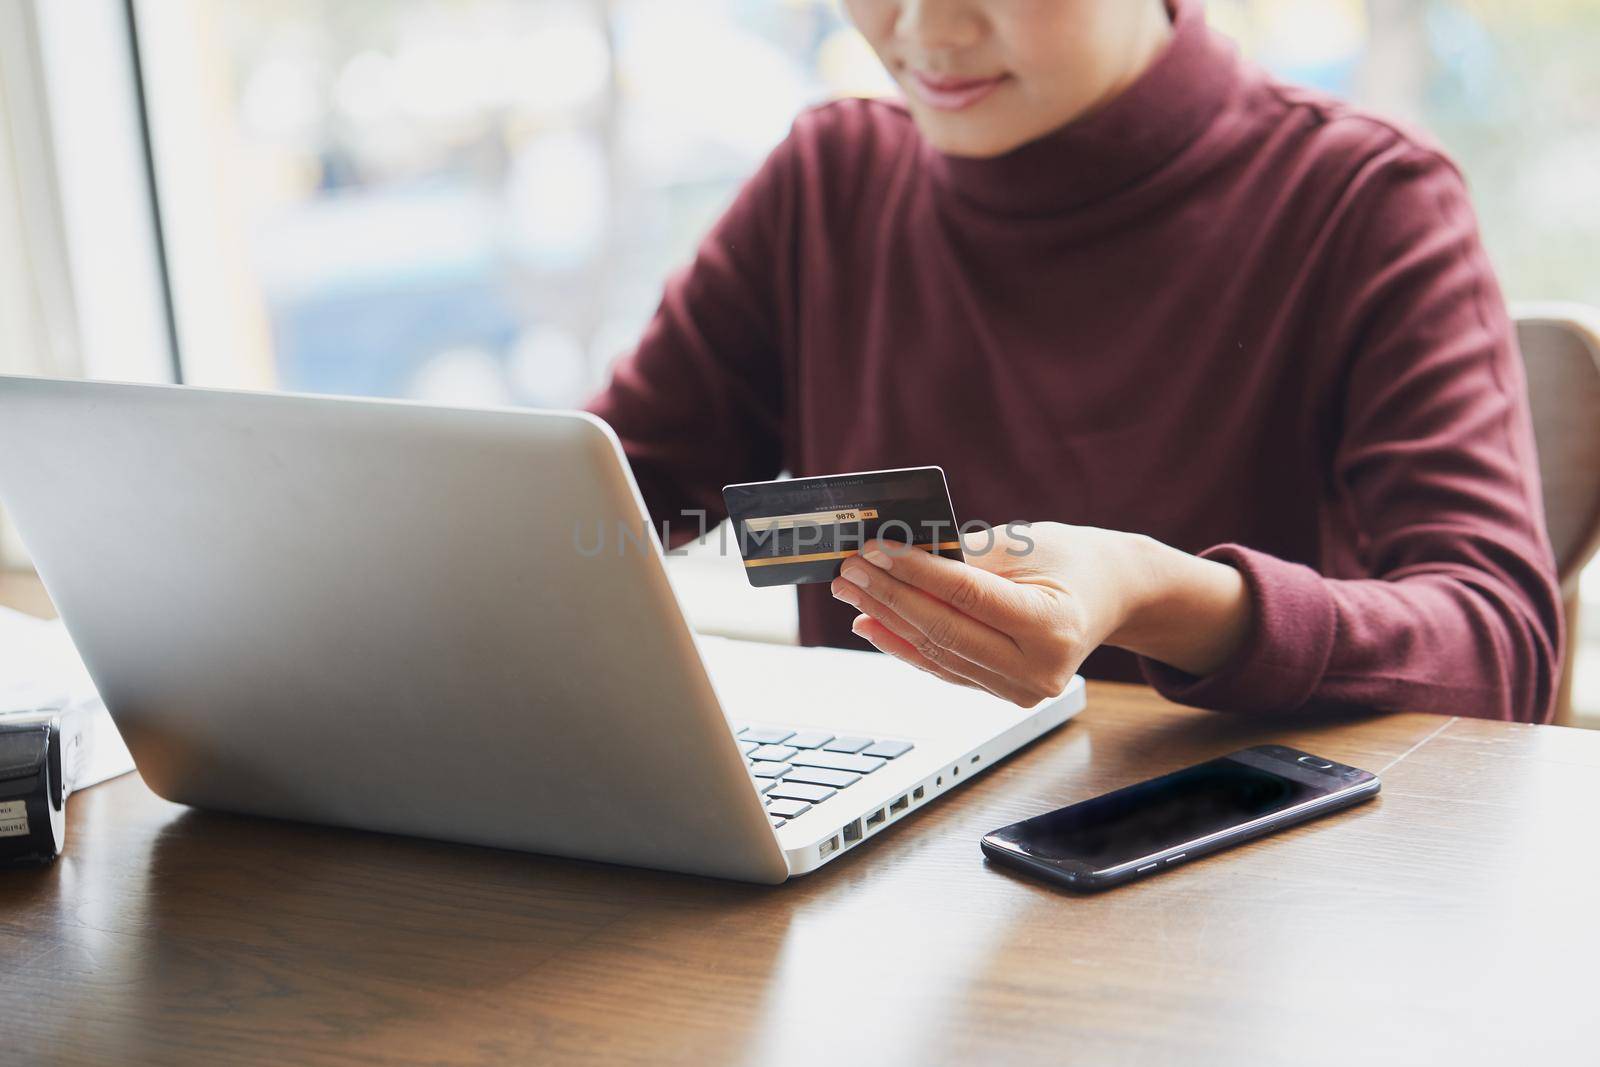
(795, 769)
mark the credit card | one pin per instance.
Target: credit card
(802, 529)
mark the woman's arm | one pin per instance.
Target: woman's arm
(1454, 608)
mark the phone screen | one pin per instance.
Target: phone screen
(1162, 813)
(1181, 808)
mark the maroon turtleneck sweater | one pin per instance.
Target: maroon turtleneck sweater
(1225, 312)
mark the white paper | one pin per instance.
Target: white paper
(40, 670)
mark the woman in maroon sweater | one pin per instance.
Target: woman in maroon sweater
(1242, 338)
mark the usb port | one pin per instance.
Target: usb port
(876, 818)
(900, 805)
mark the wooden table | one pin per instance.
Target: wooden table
(1454, 919)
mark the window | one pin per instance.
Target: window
(458, 200)
(80, 289)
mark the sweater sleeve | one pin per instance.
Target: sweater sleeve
(698, 404)
(1457, 610)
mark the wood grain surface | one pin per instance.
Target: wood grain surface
(1451, 920)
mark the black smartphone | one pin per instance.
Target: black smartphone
(1144, 829)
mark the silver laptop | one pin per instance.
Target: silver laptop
(454, 624)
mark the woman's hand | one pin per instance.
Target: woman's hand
(1031, 602)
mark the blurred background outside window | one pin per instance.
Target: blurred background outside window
(458, 200)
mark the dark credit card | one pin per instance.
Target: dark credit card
(801, 529)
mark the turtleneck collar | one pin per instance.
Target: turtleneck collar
(1165, 109)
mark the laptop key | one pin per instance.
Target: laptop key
(768, 769)
(839, 761)
(788, 790)
(848, 744)
(748, 747)
(821, 776)
(777, 822)
(888, 749)
(787, 809)
(766, 735)
(809, 739)
(764, 785)
(773, 752)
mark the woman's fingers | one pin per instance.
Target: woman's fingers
(971, 590)
(914, 647)
(940, 623)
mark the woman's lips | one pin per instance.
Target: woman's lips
(953, 94)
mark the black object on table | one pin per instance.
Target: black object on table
(33, 823)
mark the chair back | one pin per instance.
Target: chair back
(1561, 351)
